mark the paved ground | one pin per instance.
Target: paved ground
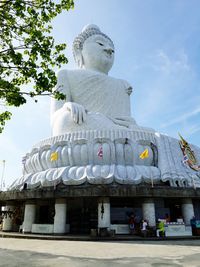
(63, 253)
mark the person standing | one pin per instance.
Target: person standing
(132, 224)
(144, 228)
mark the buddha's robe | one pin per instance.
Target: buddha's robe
(98, 92)
(106, 100)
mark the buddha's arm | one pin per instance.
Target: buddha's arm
(63, 87)
(58, 107)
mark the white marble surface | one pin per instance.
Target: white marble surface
(78, 160)
(94, 100)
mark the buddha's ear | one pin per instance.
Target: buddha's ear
(79, 58)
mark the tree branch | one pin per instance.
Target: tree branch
(22, 47)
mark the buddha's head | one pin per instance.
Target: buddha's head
(93, 50)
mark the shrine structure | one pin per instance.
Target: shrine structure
(100, 166)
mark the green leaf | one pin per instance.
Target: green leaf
(27, 50)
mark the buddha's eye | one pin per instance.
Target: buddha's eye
(100, 43)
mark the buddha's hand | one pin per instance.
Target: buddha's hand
(78, 112)
(129, 90)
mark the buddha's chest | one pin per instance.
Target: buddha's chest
(87, 87)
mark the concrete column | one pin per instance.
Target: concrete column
(60, 216)
(187, 210)
(148, 210)
(8, 220)
(29, 217)
(104, 212)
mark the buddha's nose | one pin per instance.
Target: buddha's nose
(110, 51)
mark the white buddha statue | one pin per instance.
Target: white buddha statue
(94, 100)
(94, 137)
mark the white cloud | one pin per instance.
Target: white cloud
(167, 85)
(167, 64)
(192, 130)
(182, 118)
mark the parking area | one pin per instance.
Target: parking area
(59, 253)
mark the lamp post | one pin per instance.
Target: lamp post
(3, 171)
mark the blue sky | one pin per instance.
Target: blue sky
(157, 45)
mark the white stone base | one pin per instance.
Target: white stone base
(46, 228)
(42, 229)
(120, 228)
(178, 230)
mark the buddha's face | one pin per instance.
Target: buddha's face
(98, 53)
